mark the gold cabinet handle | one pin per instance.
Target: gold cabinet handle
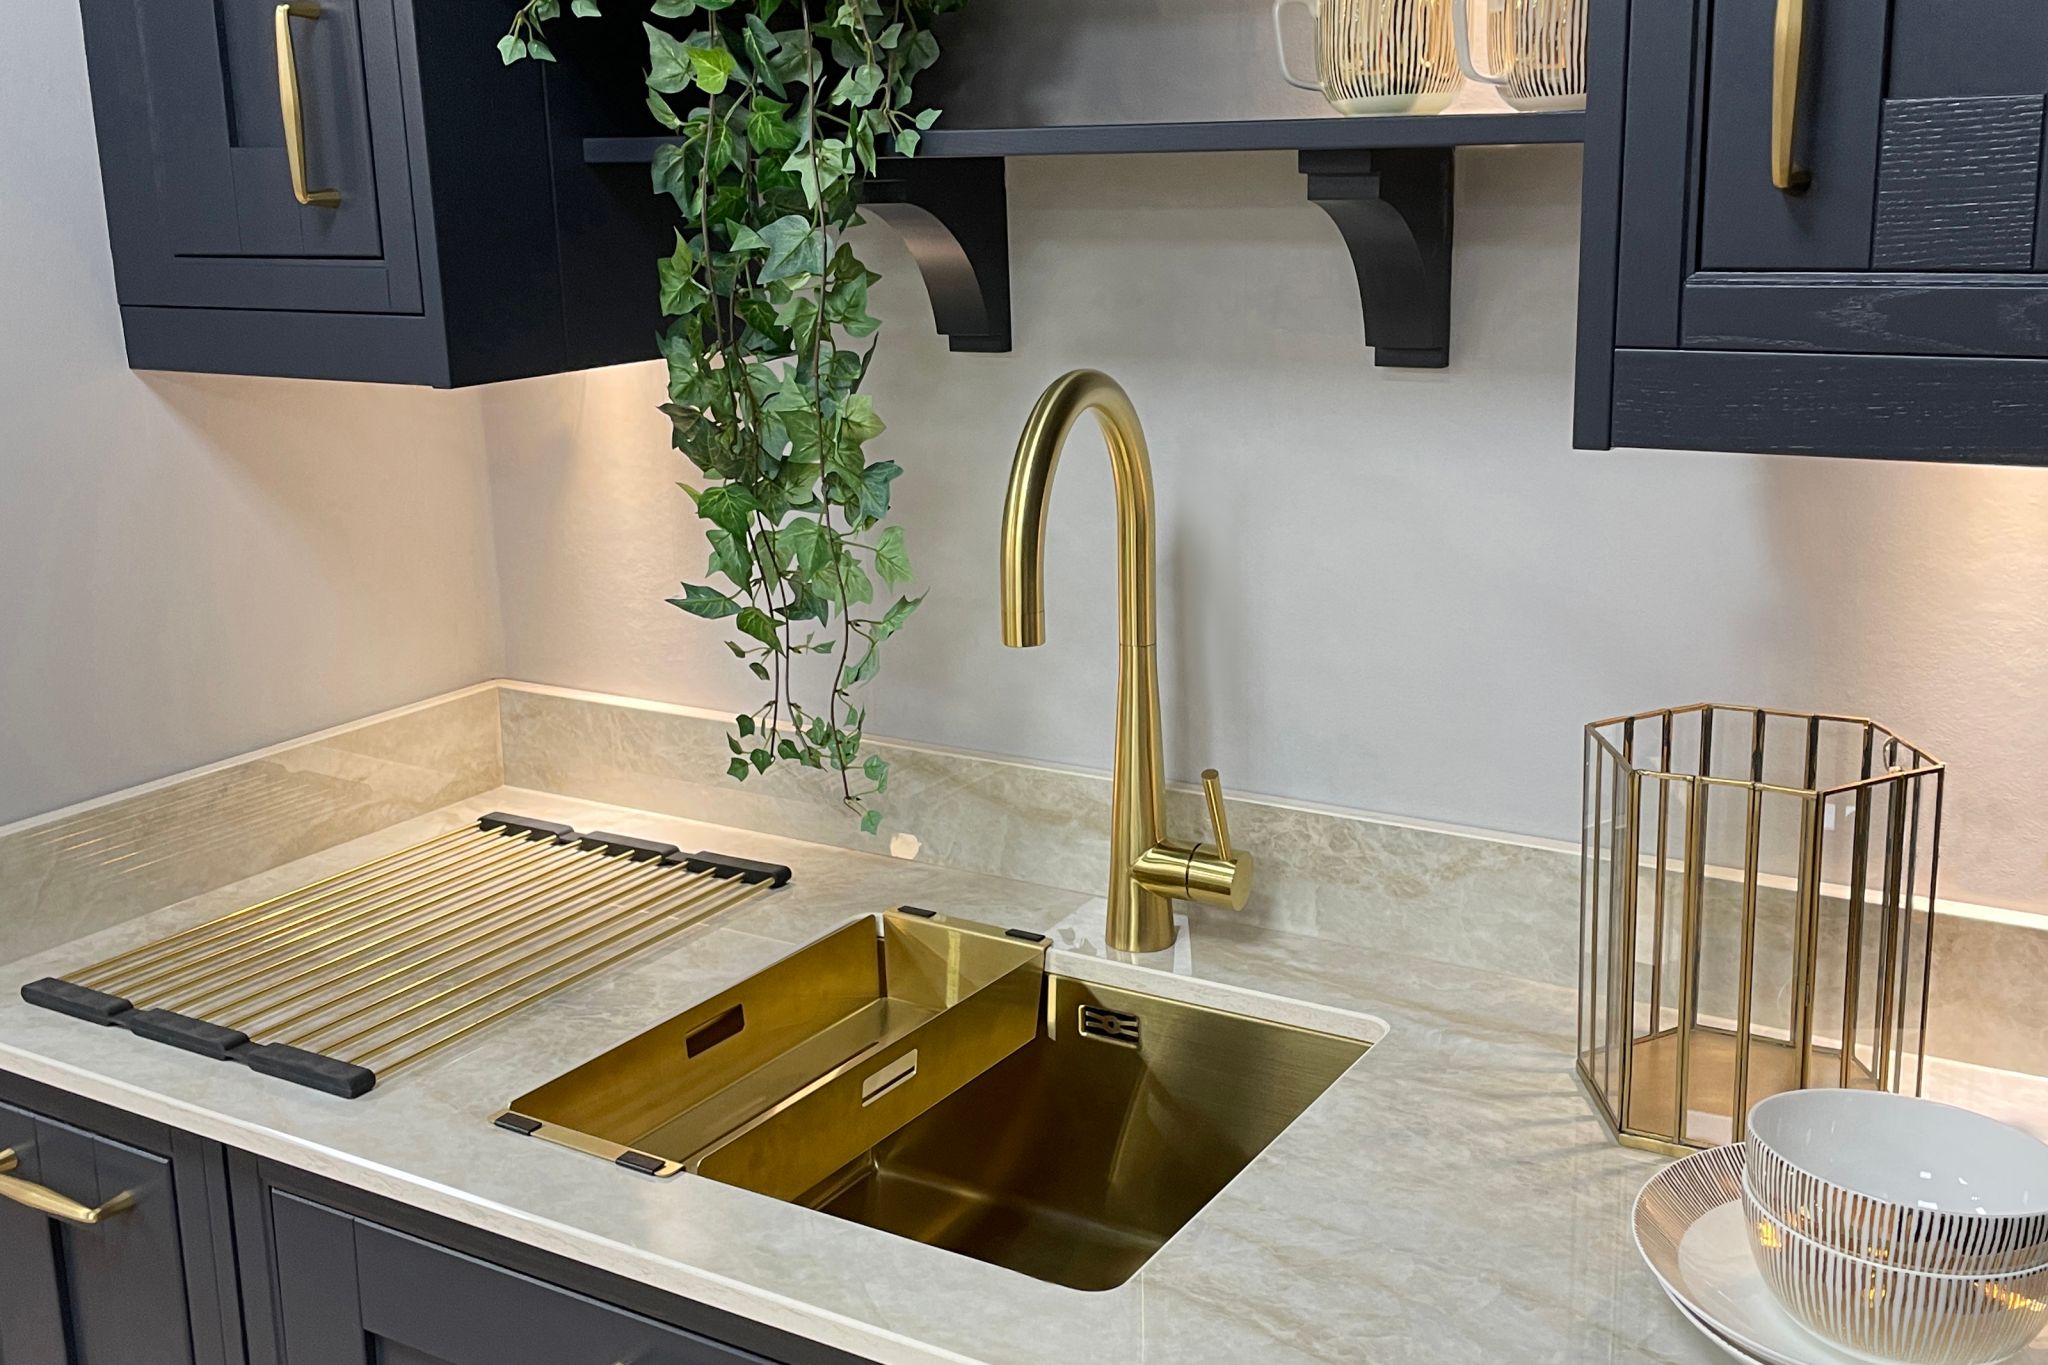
(47, 1201)
(288, 105)
(1788, 57)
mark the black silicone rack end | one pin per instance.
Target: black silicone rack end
(333, 1075)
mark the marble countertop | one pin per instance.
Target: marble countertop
(1451, 1198)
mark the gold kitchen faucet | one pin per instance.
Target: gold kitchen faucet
(1147, 871)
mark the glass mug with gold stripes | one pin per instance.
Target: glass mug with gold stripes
(1537, 47)
(1378, 56)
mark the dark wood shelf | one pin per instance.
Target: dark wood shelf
(1248, 135)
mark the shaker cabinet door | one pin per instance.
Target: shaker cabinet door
(351, 1292)
(194, 103)
(111, 1294)
(1817, 226)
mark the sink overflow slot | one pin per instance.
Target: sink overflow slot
(888, 1078)
(709, 1035)
(1112, 1026)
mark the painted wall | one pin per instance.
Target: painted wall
(1394, 591)
(192, 567)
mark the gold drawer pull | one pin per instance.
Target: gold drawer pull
(1788, 56)
(288, 105)
(46, 1201)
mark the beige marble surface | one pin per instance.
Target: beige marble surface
(1450, 1199)
(77, 870)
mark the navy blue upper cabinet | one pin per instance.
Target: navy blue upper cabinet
(1888, 298)
(433, 246)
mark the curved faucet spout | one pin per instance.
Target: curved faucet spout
(1147, 872)
(1031, 476)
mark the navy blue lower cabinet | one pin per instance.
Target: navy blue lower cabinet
(1862, 273)
(125, 1271)
(332, 1276)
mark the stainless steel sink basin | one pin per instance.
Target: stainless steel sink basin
(1077, 1157)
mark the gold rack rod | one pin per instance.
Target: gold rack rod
(566, 899)
(450, 874)
(209, 929)
(289, 911)
(405, 927)
(743, 893)
(576, 942)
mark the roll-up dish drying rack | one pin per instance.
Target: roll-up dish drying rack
(340, 983)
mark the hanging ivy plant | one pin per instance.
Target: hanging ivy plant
(779, 110)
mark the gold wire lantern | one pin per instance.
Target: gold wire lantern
(1756, 914)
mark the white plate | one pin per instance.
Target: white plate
(1728, 1348)
(1690, 1230)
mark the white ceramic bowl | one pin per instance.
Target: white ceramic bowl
(1889, 1314)
(1902, 1181)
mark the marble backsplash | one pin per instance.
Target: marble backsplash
(79, 870)
(1467, 900)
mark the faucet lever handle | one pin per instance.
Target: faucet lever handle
(1212, 787)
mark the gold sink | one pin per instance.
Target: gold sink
(1078, 1156)
(928, 1078)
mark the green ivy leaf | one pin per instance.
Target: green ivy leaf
(584, 9)
(767, 127)
(858, 86)
(811, 544)
(876, 770)
(858, 418)
(874, 488)
(664, 115)
(711, 67)
(795, 248)
(729, 556)
(674, 9)
(681, 294)
(761, 626)
(709, 603)
(871, 822)
(890, 560)
(744, 724)
(728, 505)
(511, 48)
(538, 49)
(850, 582)
(668, 61)
(738, 770)
(761, 758)
(893, 619)
(759, 669)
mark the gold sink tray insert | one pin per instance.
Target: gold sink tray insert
(779, 1082)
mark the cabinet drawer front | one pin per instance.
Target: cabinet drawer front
(200, 202)
(352, 1292)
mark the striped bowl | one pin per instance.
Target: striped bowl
(1891, 1314)
(1902, 1181)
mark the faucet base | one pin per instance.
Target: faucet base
(1140, 921)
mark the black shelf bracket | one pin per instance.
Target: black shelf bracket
(1393, 207)
(954, 215)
